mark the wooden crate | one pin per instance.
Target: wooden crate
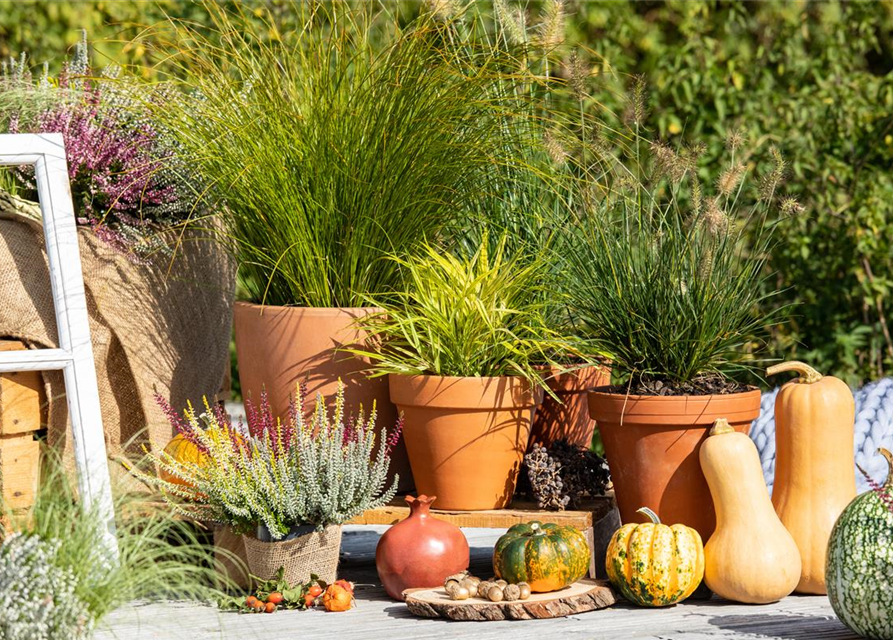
(21, 395)
(21, 398)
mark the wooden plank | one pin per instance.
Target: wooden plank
(580, 597)
(19, 470)
(21, 396)
(519, 512)
(377, 617)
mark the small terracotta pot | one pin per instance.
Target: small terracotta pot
(651, 444)
(420, 551)
(569, 418)
(466, 437)
(279, 346)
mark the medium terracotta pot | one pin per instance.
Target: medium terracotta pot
(420, 551)
(651, 444)
(569, 418)
(466, 437)
(279, 346)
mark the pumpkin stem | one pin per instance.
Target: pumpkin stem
(889, 457)
(720, 427)
(648, 513)
(808, 375)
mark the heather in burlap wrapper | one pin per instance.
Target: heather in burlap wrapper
(160, 327)
(315, 552)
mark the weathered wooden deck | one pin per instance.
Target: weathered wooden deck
(377, 617)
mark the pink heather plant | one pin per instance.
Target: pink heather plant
(121, 167)
(321, 470)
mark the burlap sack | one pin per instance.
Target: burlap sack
(313, 553)
(230, 556)
(162, 327)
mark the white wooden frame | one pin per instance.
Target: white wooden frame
(74, 356)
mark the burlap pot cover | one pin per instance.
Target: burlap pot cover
(230, 556)
(312, 553)
(161, 327)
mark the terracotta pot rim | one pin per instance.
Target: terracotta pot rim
(673, 410)
(307, 310)
(597, 391)
(471, 393)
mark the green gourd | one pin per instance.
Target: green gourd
(859, 573)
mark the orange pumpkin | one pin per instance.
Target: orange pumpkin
(184, 452)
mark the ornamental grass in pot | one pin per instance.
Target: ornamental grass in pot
(325, 168)
(458, 346)
(664, 278)
(286, 485)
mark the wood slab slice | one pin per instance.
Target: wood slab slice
(584, 595)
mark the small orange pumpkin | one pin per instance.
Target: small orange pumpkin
(184, 452)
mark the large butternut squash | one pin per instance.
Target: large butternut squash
(815, 478)
(750, 557)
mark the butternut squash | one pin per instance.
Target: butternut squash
(815, 478)
(750, 557)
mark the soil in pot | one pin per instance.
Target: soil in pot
(466, 437)
(651, 444)
(277, 347)
(568, 416)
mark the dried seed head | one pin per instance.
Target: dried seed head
(730, 178)
(551, 29)
(667, 163)
(578, 74)
(444, 10)
(696, 196)
(637, 112)
(771, 181)
(791, 207)
(735, 140)
(512, 20)
(715, 219)
(554, 147)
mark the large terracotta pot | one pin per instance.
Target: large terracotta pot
(279, 346)
(466, 437)
(651, 444)
(567, 417)
(421, 551)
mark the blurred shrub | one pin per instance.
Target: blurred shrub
(813, 79)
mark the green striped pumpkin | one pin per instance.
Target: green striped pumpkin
(546, 556)
(859, 573)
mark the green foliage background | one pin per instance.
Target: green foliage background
(814, 78)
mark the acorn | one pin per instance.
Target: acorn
(524, 590)
(458, 577)
(452, 587)
(501, 583)
(484, 588)
(471, 586)
(459, 594)
(474, 579)
(512, 592)
(495, 594)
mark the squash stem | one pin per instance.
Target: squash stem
(808, 375)
(720, 427)
(648, 513)
(889, 458)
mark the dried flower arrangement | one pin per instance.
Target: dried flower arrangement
(126, 182)
(274, 473)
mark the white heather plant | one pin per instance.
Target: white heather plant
(318, 472)
(38, 599)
